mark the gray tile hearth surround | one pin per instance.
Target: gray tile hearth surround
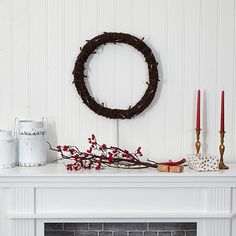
(120, 229)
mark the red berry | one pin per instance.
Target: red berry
(76, 157)
(76, 168)
(65, 148)
(110, 160)
(72, 151)
(98, 167)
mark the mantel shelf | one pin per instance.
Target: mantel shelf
(56, 172)
(58, 169)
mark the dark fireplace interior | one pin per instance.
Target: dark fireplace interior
(120, 229)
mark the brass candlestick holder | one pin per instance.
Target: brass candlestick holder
(222, 165)
(198, 143)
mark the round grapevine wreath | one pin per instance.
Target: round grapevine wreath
(79, 77)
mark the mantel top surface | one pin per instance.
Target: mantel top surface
(58, 170)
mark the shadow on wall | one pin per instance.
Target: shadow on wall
(51, 137)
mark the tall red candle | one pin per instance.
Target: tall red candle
(222, 116)
(198, 110)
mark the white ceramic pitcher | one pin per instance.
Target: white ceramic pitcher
(7, 148)
(31, 142)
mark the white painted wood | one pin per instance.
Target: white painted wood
(6, 62)
(193, 40)
(140, 132)
(157, 199)
(21, 58)
(233, 202)
(125, 69)
(193, 25)
(226, 65)
(209, 69)
(55, 68)
(158, 34)
(32, 197)
(37, 70)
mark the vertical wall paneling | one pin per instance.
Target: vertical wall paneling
(192, 68)
(80, 43)
(226, 68)
(232, 145)
(21, 58)
(158, 33)
(54, 67)
(138, 127)
(106, 79)
(6, 51)
(209, 72)
(100, 83)
(36, 71)
(72, 42)
(125, 14)
(90, 26)
(193, 41)
(183, 79)
(140, 77)
(175, 51)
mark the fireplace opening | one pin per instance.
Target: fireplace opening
(121, 229)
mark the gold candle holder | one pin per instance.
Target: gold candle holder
(198, 143)
(222, 165)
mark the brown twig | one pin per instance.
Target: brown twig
(100, 156)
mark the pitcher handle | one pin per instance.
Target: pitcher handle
(44, 119)
(15, 128)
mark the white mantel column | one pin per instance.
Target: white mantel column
(22, 202)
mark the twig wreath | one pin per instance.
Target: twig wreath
(80, 83)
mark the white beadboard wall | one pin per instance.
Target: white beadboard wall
(194, 42)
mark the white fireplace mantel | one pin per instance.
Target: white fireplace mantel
(30, 197)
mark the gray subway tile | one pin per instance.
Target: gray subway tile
(120, 233)
(173, 226)
(59, 233)
(105, 233)
(53, 226)
(76, 226)
(125, 226)
(86, 233)
(95, 226)
(178, 233)
(150, 233)
(120, 229)
(164, 234)
(191, 233)
(136, 233)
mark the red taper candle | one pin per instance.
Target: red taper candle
(198, 110)
(222, 115)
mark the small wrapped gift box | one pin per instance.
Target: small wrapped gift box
(172, 169)
(201, 162)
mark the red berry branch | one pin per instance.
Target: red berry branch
(99, 156)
